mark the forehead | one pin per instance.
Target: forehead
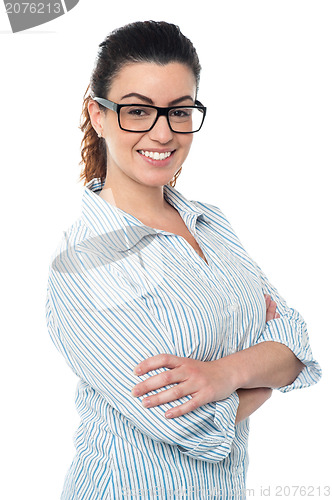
(158, 82)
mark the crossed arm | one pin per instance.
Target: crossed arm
(252, 372)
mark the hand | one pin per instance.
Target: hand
(271, 308)
(205, 381)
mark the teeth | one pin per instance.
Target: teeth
(155, 155)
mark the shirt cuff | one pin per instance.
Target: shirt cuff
(218, 446)
(295, 337)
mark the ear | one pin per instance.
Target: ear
(96, 116)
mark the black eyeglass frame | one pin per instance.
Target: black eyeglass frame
(160, 112)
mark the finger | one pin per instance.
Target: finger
(164, 360)
(267, 299)
(169, 395)
(163, 379)
(271, 311)
(179, 410)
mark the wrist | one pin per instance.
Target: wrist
(232, 369)
(250, 366)
(241, 369)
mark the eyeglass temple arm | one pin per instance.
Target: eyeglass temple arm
(106, 103)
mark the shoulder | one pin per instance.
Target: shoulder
(65, 257)
(73, 234)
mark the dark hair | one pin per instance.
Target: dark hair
(143, 41)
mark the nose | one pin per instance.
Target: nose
(161, 131)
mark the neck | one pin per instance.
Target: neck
(140, 200)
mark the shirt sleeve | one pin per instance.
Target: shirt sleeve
(103, 331)
(290, 329)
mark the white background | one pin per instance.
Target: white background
(263, 156)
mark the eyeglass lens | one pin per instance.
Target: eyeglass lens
(140, 118)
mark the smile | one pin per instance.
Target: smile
(155, 155)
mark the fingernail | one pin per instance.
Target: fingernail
(137, 370)
(169, 414)
(135, 392)
(146, 402)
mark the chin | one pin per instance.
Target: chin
(158, 180)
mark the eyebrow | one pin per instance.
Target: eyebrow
(150, 101)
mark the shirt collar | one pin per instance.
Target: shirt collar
(122, 230)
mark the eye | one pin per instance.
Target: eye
(135, 112)
(180, 113)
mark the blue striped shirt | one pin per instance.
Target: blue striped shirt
(119, 292)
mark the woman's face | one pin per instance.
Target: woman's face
(148, 83)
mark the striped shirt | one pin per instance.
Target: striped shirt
(119, 292)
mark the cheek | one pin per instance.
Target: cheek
(122, 146)
(187, 142)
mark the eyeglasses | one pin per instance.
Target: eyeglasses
(143, 117)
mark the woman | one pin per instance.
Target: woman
(151, 293)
